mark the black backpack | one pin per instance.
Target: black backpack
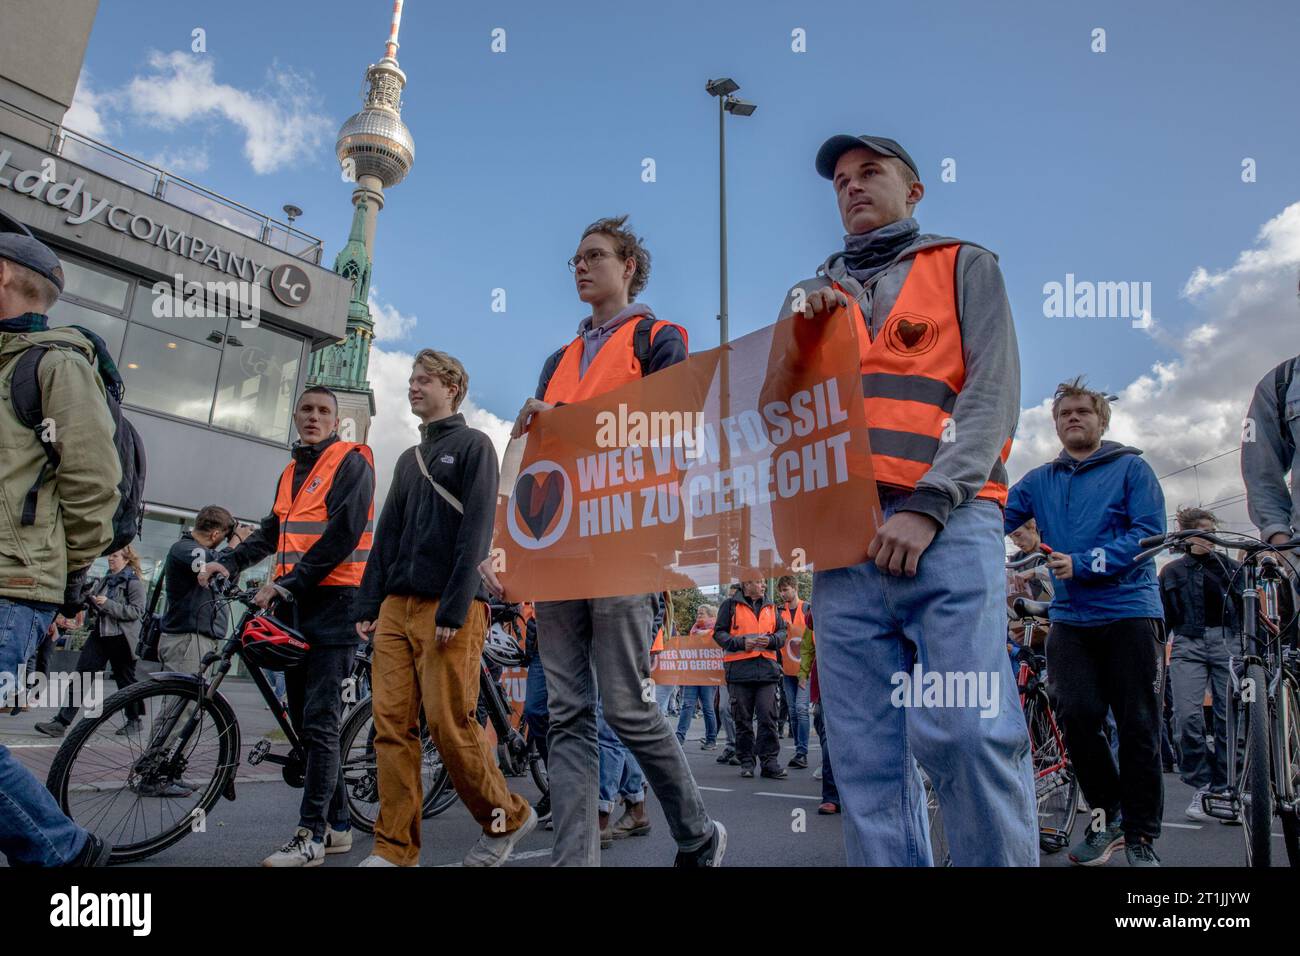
(26, 392)
(1282, 385)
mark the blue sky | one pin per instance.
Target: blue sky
(1114, 166)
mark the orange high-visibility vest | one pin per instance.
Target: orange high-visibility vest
(744, 622)
(614, 365)
(303, 517)
(795, 624)
(912, 371)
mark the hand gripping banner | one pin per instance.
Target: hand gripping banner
(746, 461)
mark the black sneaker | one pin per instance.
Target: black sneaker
(775, 773)
(52, 728)
(1141, 853)
(708, 855)
(543, 809)
(726, 755)
(94, 853)
(799, 762)
(747, 771)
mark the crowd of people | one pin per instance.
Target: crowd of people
(939, 366)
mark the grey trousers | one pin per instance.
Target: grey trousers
(1194, 663)
(605, 642)
(724, 712)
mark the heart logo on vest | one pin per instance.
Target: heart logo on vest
(540, 505)
(910, 334)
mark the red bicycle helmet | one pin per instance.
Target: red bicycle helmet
(271, 644)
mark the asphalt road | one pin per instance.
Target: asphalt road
(769, 822)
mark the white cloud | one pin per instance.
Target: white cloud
(395, 429)
(1191, 407)
(86, 114)
(190, 162)
(280, 123)
(390, 324)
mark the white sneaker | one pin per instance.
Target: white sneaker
(337, 841)
(302, 850)
(1195, 811)
(493, 851)
(817, 774)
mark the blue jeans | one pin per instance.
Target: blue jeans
(949, 619)
(829, 792)
(704, 695)
(33, 830)
(664, 696)
(796, 701)
(536, 716)
(620, 774)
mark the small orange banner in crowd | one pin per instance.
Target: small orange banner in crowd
(741, 462)
(695, 659)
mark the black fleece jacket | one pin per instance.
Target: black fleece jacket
(423, 547)
(324, 611)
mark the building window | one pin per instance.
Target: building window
(168, 373)
(110, 328)
(259, 371)
(94, 287)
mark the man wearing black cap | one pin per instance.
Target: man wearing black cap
(941, 386)
(43, 564)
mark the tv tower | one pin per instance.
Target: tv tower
(376, 151)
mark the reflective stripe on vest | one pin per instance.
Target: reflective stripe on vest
(303, 518)
(614, 365)
(912, 371)
(744, 622)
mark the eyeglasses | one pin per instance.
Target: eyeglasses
(591, 256)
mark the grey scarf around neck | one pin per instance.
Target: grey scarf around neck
(867, 253)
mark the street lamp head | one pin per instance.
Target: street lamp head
(721, 87)
(292, 211)
(739, 107)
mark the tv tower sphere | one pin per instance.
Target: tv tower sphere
(375, 142)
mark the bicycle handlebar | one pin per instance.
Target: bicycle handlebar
(1157, 543)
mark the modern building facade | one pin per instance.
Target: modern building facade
(212, 311)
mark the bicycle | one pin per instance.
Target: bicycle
(1264, 759)
(516, 752)
(360, 765)
(112, 784)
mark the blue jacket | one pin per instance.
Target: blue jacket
(1096, 510)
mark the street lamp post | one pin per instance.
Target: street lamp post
(727, 103)
(724, 89)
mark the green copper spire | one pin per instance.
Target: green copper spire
(346, 365)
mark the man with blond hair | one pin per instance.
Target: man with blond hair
(1105, 651)
(423, 601)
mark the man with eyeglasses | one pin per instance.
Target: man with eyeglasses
(619, 341)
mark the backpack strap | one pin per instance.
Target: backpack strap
(1281, 385)
(26, 394)
(641, 343)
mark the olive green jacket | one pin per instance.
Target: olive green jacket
(74, 512)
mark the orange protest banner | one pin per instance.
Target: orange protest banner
(695, 659)
(745, 461)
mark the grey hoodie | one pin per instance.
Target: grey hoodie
(1265, 461)
(988, 407)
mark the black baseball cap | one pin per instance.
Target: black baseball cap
(17, 244)
(837, 146)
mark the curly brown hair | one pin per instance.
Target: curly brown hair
(627, 245)
(1188, 517)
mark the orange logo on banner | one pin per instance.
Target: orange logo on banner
(693, 660)
(745, 461)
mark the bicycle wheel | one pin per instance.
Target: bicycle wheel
(1257, 788)
(1290, 773)
(139, 793)
(537, 766)
(938, 840)
(361, 774)
(1056, 787)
